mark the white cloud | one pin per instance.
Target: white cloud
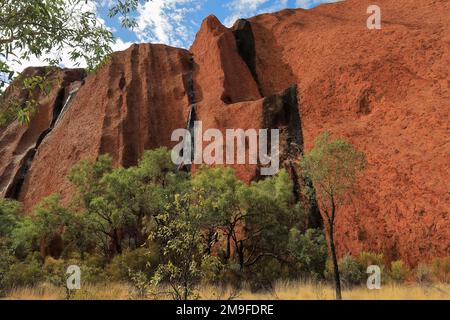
(307, 4)
(247, 8)
(120, 45)
(66, 62)
(164, 21)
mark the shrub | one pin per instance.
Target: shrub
(441, 269)
(24, 238)
(27, 273)
(423, 274)
(10, 212)
(95, 260)
(132, 262)
(262, 276)
(6, 260)
(366, 259)
(92, 270)
(55, 271)
(141, 285)
(352, 273)
(350, 270)
(309, 251)
(398, 272)
(92, 274)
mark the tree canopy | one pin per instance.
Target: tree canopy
(333, 166)
(39, 27)
(206, 228)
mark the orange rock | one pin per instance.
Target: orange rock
(130, 105)
(387, 92)
(18, 143)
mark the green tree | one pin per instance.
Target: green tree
(156, 182)
(309, 251)
(184, 260)
(6, 260)
(86, 176)
(100, 218)
(125, 9)
(217, 191)
(333, 166)
(49, 218)
(39, 27)
(77, 233)
(248, 226)
(270, 212)
(10, 213)
(24, 238)
(116, 201)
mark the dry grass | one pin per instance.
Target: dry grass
(282, 291)
(114, 291)
(310, 291)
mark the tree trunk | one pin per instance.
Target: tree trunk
(228, 254)
(240, 252)
(185, 291)
(116, 242)
(337, 278)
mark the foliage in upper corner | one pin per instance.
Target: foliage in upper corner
(42, 27)
(24, 106)
(54, 27)
(35, 28)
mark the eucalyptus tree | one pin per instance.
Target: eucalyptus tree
(333, 166)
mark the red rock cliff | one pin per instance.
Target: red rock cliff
(387, 91)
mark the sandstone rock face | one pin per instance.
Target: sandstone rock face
(19, 143)
(386, 91)
(304, 72)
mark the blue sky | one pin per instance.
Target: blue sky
(175, 22)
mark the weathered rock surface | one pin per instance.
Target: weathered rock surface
(19, 143)
(387, 91)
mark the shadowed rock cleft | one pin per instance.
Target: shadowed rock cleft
(281, 112)
(245, 42)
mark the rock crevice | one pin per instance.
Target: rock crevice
(29, 138)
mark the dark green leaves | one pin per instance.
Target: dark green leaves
(333, 166)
